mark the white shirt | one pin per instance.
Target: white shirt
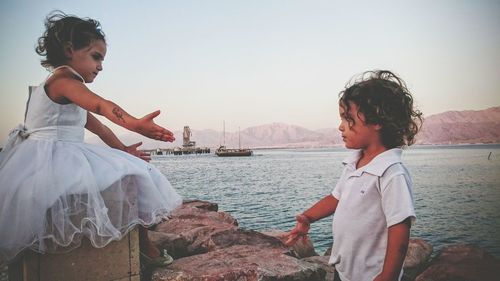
(371, 199)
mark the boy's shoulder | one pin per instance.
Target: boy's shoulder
(395, 169)
(396, 173)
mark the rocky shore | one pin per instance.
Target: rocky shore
(208, 245)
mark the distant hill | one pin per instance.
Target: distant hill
(468, 126)
(451, 127)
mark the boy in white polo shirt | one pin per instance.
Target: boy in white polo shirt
(372, 200)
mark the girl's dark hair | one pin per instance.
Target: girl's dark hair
(62, 30)
(384, 99)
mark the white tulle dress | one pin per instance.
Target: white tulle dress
(55, 189)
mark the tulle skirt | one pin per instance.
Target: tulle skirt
(54, 193)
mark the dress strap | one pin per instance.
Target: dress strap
(72, 71)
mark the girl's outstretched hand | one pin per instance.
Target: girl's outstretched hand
(132, 149)
(300, 231)
(147, 127)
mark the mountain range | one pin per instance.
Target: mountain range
(451, 127)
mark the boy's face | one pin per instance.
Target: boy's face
(356, 134)
(88, 61)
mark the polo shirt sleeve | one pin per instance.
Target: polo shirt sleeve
(397, 200)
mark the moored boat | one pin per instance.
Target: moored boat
(222, 151)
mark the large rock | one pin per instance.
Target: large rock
(189, 230)
(322, 261)
(462, 263)
(417, 257)
(208, 245)
(203, 213)
(238, 263)
(231, 237)
(200, 204)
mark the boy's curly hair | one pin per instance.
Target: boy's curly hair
(62, 30)
(384, 99)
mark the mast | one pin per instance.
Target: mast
(239, 138)
(224, 131)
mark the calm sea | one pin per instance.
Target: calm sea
(456, 189)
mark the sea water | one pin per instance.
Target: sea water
(456, 189)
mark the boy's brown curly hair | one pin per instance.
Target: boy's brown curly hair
(384, 99)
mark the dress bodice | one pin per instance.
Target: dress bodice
(52, 120)
(43, 112)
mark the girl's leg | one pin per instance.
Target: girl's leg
(145, 245)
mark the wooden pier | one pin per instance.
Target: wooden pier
(178, 151)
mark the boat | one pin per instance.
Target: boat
(223, 151)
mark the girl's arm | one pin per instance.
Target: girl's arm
(62, 87)
(397, 244)
(323, 208)
(108, 137)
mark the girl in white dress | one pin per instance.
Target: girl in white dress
(55, 189)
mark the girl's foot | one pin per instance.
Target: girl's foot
(151, 256)
(160, 261)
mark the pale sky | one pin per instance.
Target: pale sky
(262, 61)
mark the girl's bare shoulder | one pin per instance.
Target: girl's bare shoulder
(60, 82)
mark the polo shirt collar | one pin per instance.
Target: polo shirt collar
(378, 165)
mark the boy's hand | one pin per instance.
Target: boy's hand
(147, 127)
(132, 149)
(300, 231)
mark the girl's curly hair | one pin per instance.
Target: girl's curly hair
(384, 99)
(62, 30)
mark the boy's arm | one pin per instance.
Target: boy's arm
(397, 244)
(78, 93)
(108, 137)
(321, 209)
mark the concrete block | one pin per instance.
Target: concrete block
(118, 261)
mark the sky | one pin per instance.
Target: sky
(257, 62)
